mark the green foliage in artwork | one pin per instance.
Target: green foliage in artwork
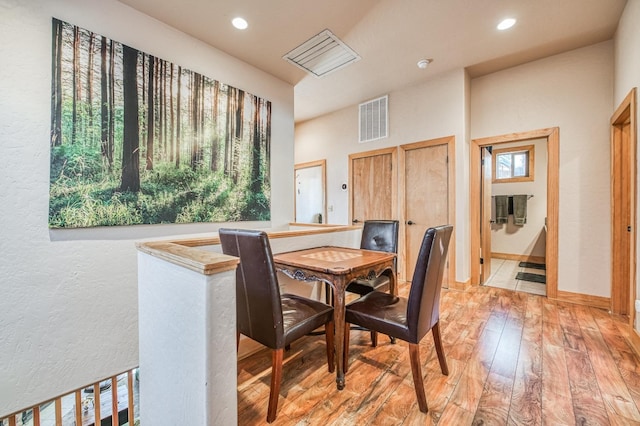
(71, 163)
(167, 195)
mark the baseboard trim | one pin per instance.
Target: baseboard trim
(633, 338)
(519, 257)
(584, 299)
(460, 285)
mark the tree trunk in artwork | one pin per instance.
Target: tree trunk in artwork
(202, 114)
(256, 160)
(76, 84)
(150, 115)
(112, 97)
(165, 118)
(195, 97)
(104, 105)
(89, 128)
(228, 131)
(215, 87)
(130, 142)
(56, 84)
(267, 138)
(178, 117)
(172, 116)
(239, 133)
(160, 80)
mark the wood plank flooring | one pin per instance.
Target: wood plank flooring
(514, 359)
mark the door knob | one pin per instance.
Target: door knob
(410, 222)
(355, 221)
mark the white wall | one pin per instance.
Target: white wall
(431, 110)
(68, 304)
(627, 74)
(529, 239)
(573, 91)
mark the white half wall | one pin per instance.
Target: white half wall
(573, 91)
(68, 310)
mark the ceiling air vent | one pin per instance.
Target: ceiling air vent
(374, 119)
(322, 54)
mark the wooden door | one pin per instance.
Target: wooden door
(485, 224)
(426, 197)
(623, 201)
(373, 185)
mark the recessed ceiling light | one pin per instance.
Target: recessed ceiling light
(506, 24)
(240, 23)
(424, 63)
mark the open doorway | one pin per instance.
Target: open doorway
(310, 196)
(478, 199)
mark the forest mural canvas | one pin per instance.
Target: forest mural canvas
(139, 140)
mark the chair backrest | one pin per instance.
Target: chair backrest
(423, 310)
(258, 305)
(380, 235)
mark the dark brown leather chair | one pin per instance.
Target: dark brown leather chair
(263, 314)
(409, 319)
(380, 235)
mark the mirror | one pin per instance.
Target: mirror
(310, 194)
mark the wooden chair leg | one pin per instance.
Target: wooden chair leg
(437, 340)
(329, 330)
(345, 349)
(374, 338)
(414, 354)
(276, 379)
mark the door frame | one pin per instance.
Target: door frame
(552, 135)
(450, 141)
(623, 297)
(486, 183)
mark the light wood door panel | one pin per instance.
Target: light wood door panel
(373, 183)
(426, 197)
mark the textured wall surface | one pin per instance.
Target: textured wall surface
(68, 298)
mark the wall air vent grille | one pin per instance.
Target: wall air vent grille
(324, 53)
(374, 119)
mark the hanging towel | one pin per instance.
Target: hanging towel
(502, 208)
(519, 210)
(493, 209)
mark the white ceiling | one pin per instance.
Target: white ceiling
(390, 36)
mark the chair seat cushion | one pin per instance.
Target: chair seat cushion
(301, 316)
(363, 287)
(382, 312)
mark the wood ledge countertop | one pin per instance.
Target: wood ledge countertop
(186, 253)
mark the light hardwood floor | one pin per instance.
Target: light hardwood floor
(514, 359)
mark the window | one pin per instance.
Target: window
(513, 164)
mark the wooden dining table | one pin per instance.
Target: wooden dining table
(337, 266)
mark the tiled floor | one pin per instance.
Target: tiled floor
(503, 275)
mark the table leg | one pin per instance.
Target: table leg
(393, 283)
(338, 319)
